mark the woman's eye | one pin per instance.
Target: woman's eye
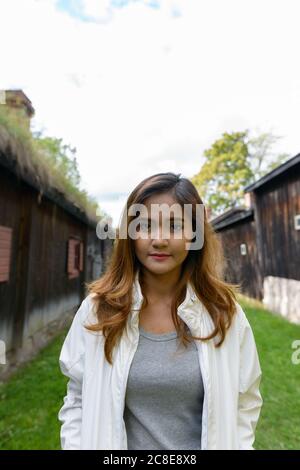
(144, 226)
(176, 226)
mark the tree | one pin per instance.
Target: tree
(62, 159)
(233, 162)
(60, 156)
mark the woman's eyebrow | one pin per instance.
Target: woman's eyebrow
(171, 218)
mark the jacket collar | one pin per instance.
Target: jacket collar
(190, 310)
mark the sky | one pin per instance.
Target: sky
(145, 86)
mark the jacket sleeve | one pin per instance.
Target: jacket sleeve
(250, 400)
(71, 362)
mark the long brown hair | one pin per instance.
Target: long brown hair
(204, 268)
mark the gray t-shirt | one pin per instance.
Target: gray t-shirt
(164, 395)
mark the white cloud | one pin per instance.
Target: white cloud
(96, 9)
(148, 92)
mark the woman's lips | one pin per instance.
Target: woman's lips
(160, 257)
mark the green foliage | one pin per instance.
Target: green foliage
(30, 401)
(52, 161)
(61, 156)
(279, 425)
(62, 159)
(234, 161)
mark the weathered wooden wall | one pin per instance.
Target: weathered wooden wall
(270, 271)
(39, 296)
(242, 269)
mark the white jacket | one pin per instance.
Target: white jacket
(92, 413)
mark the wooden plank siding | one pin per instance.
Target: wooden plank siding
(5, 252)
(271, 270)
(241, 269)
(37, 291)
(278, 203)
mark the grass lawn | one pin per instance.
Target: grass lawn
(30, 401)
(279, 423)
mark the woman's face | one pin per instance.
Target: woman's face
(177, 248)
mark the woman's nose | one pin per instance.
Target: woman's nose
(160, 236)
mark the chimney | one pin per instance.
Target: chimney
(20, 105)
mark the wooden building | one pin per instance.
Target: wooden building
(48, 250)
(262, 240)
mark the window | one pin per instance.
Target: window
(5, 252)
(243, 248)
(297, 221)
(75, 257)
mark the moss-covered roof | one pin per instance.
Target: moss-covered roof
(20, 154)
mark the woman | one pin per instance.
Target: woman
(160, 354)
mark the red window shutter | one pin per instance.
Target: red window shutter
(5, 252)
(72, 270)
(77, 255)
